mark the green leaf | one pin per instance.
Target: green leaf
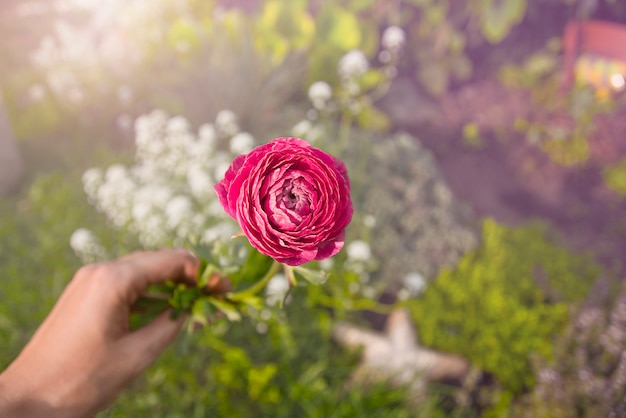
(542, 63)
(370, 37)
(205, 273)
(183, 297)
(371, 79)
(202, 310)
(145, 310)
(373, 119)
(313, 276)
(255, 267)
(252, 300)
(183, 31)
(259, 378)
(283, 26)
(339, 28)
(499, 16)
(227, 309)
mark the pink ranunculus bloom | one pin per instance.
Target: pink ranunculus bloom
(290, 199)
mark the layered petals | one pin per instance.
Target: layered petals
(290, 199)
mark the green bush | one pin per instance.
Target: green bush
(35, 259)
(614, 177)
(294, 369)
(286, 367)
(505, 302)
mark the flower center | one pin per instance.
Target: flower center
(289, 197)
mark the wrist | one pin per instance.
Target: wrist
(19, 397)
(15, 400)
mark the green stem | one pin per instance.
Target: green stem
(258, 286)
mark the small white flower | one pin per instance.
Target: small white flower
(319, 93)
(359, 251)
(81, 238)
(403, 294)
(320, 90)
(177, 125)
(226, 123)
(145, 173)
(157, 195)
(87, 246)
(221, 231)
(200, 183)
(115, 173)
(393, 38)
(261, 328)
(265, 315)
(206, 133)
(177, 210)
(241, 143)
(414, 283)
(92, 179)
(327, 264)
(141, 210)
(276, 289)
(353, 64)
(369, 292)
(384, 56)
(302, 128)
(369, 221)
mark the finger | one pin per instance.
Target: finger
(219, 284)
(145, 344)
(141, 269)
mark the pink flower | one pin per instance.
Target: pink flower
(290, 199)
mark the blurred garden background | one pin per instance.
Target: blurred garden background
(486, 145)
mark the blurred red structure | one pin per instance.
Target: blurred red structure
(594, 52)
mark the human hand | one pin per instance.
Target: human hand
(84, 354)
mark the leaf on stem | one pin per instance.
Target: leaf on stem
(313, 276)
(229, 310)
(201, 311)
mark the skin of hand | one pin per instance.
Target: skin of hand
(83, 354)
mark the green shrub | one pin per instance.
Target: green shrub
(615, 177)
(291, 368)
(35, 259)
(505, 302)
(294, 369)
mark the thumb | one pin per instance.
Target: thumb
(148, 342)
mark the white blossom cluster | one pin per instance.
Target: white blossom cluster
(413, 285)
(167, 195)
(393, 38)
(352, 67)
(392, 42)
(320, 93)
(276, 290)
(87, 55)
(87, 246)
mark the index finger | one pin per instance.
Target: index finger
(141, 269)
